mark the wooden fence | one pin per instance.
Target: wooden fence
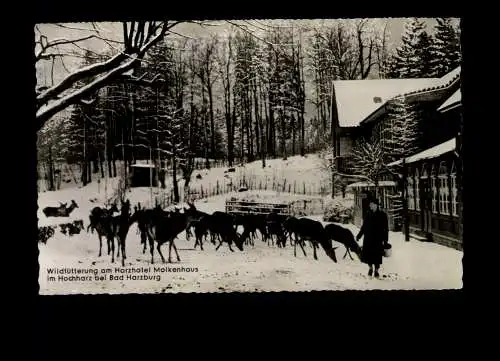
(224, 187)
(245, 207)
(302, 207)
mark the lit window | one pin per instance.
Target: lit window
(454, 191)
(434, 189)
(444, 190)
(417, 190)
(411, 195)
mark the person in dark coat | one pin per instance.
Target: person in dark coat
(375, 230)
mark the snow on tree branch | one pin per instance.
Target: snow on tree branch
(52, 100)
(368, 160)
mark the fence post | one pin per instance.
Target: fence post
(217, 187)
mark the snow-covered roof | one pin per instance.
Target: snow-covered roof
(452, 101)
(440, 83)
(355, 99)
(433, 152)
(451, 75)
(384, 183)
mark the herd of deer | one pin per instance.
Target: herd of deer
(164, 227)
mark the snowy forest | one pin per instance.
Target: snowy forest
(255, 91)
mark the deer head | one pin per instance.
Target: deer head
(191, 205)
(113, 208)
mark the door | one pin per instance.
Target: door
(426, 205)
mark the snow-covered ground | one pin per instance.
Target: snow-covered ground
(413, 265)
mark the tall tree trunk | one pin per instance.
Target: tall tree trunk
(227, 113)
(248, 127)
(109, 149)
(258, 121)
(84, 162)
(114, 165)
(95, 164)
(205, 128)
(232, 135)
(264, 127)
(206, 141)
(51, 171)
(212, 122)
(242, 128)
(272, 129)
(89, 172)
(174, 175)
(283, 132)
(101, 161)
(302, 133)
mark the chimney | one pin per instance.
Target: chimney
(377, 99)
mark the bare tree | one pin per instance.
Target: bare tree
(368, 161)
(138, 38)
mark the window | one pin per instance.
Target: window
(454, 192)
(424, 173)
(411, 195)
(417, 190)
(444, 190)
(386, 198)
(434, 190)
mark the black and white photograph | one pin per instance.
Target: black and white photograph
(249, 155)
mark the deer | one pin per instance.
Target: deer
(97, 212)
(313, 231)
(274, 223)
(344, 236)
(45, 233)
(100, 220)
(289, 226)
(164, 227)
(61, 211)
(197, 216)
(222, 225)
(120, 227)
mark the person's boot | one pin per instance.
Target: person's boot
(377, 275)
(370, 272)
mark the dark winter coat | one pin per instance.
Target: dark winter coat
(375, 230)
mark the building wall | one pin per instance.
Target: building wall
(434, 214)
(141, 177)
